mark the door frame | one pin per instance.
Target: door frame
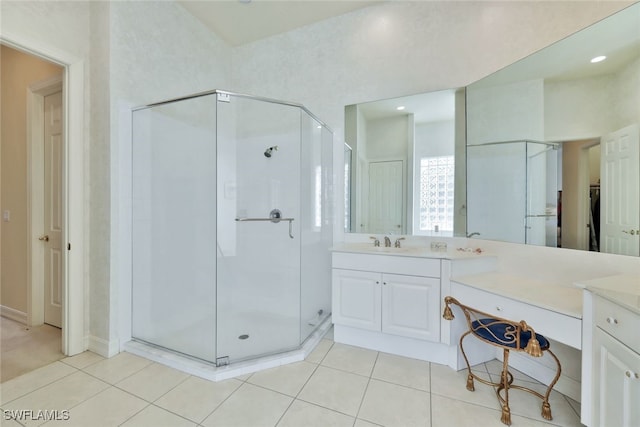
(584, 232)
(75, 276)
(36, 191)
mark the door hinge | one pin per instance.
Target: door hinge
(222, 361)
(68, 246)
(224, 97)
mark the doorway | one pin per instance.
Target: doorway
(74, 338)
(33, 143)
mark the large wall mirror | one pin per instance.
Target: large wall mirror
(553, 148)
(548, 154)
(406, 168)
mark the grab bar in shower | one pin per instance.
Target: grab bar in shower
(275, 220)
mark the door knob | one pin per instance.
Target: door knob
(632, 232)
(44, 238)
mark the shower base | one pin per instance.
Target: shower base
(209, 371)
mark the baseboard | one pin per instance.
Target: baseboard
(103, 347)
(13, 314)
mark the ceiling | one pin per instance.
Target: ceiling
(425, 107)
(239, 22)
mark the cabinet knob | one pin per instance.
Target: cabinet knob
(632, 374)
(377, 282)
(628, 374)
(498, 308)
(612, 320)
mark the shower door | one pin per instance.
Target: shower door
(173, 229)
(258, 255)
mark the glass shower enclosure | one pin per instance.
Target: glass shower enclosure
(512, 191)
(232, 225)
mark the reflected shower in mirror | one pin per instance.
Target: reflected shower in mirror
(563, 97)
(405, 176)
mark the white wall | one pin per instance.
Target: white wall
(578, 109)
(387, 138)
(510, 112)
(592, 107)
(434, 139)
(627, 94)
(157, 51)
(402, 48)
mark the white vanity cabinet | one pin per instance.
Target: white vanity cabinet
(356, 299)
(615, 393)
(392, 295)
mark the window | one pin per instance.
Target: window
(436, 193)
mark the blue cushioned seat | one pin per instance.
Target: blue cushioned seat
(495, 331)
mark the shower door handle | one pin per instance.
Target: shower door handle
(275, 220)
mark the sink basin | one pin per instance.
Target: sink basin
(359, 247)
(389, 249)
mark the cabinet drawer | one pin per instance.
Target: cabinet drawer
(560, 327)
(387, 264)
(619, 322)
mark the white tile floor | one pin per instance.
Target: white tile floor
(337, 385)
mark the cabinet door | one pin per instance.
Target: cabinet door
(356, 299)
(411, 306)
(616, 383)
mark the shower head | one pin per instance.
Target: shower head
(267, 152)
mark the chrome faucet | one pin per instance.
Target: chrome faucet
(397, 243)
(387, 242)
(475, 233)
(376, 242)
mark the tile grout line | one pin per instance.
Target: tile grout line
(42, 386)
(364, 395)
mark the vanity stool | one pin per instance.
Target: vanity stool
(508, 335)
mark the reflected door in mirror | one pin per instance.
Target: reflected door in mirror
(620, 185)
(385, 196)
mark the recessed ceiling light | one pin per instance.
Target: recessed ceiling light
(598, 59)
(400, 108)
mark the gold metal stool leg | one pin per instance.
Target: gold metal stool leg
(546, 407)
(506, 411)
(470, 385)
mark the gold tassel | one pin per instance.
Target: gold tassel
(546, 411)
(448, 314)
(506, 415)
(533, 347)
(470, 386)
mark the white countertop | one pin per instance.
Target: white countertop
(410, 251)
(556, 297)
(622, 289)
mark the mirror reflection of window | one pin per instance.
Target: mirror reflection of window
(347, 188)
(437, 180)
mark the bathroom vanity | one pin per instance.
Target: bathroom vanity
(390, 299)
(611, 353)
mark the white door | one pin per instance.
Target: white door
(356, 299)
(385, 197)
(52, 239)
(411, 306)
(619, 188)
